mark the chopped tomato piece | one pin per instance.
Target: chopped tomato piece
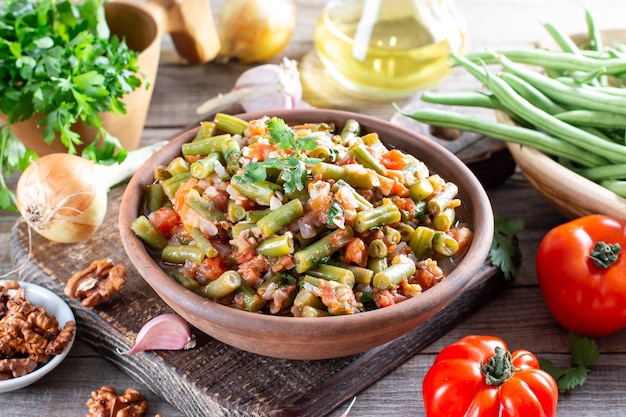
(259, 151)
(356, 252)
(211, 268)
(395, 159)
(164, 219)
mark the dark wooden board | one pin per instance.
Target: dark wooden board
(214, 379)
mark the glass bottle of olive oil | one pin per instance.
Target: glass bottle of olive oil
(388, 48)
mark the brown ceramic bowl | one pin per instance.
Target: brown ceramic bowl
(325, 337)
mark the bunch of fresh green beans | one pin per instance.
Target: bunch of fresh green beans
(573, 109)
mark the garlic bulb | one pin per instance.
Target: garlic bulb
(264, 87)
(163, 332)
(255, 30)
(63, 197)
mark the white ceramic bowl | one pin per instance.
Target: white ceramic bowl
(54, 305)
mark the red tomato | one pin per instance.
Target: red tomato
(478, 377)
(164, 219)
(585, 297)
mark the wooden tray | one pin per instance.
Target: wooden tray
(215, 379)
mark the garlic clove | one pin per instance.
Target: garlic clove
(264, 87)
(163, 332)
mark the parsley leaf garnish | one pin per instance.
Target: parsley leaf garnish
(57, 59)
(335, 210)
(584, 355)
(292, 167)
(504, 254)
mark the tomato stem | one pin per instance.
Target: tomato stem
(604, 254)
(499, 368)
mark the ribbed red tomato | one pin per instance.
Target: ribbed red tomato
(478, 377)
(581, 273)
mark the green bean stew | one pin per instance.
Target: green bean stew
(301, 220)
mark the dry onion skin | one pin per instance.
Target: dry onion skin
(255, 30)
(64, 197)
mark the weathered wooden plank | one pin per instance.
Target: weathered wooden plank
(207, 379)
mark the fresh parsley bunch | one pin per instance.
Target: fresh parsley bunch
(59, 62)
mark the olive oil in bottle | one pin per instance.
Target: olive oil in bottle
(388, 48)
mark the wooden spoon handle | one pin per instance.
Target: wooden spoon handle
(191, 26)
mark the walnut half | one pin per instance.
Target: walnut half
(98, 283)
(106, 403)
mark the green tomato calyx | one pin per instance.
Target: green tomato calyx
(604, 254)
(499, 368)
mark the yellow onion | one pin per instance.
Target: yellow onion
(63, 197)
(255, 30)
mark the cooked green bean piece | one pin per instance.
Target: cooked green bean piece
(170, 185)
(421, 189)
(281, 217)
(261, 192)
(203, 243)
(240, 227)
(377, 249)
(161, 173)
(179, 254)
(312, 312)
(310, 256)
(177, 166)
(250, 300)
(392, 235)
(365, 158)
(377, 216)
(231, 151)
(276, 246)
(187, 282)
(440, 201)
(445, 220)
(351, 129)
(421, 241)
(406, 232)
(444, 244)
(333, 273)
(236, 212)
(203, 206)
(392, 277)
(230, 124)
(377, 264)
(254, 215)
(307, 298)
(224, 285)
(361, 275)
(155, 197)
(205, 146)
(361, 202)
(204, 167)
(145, 230)
(206, 130)
(373, 141)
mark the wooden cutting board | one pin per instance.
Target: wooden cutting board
(214, 379)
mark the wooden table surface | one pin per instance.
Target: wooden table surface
(518, 315)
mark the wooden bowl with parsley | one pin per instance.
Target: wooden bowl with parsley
(324, 264)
